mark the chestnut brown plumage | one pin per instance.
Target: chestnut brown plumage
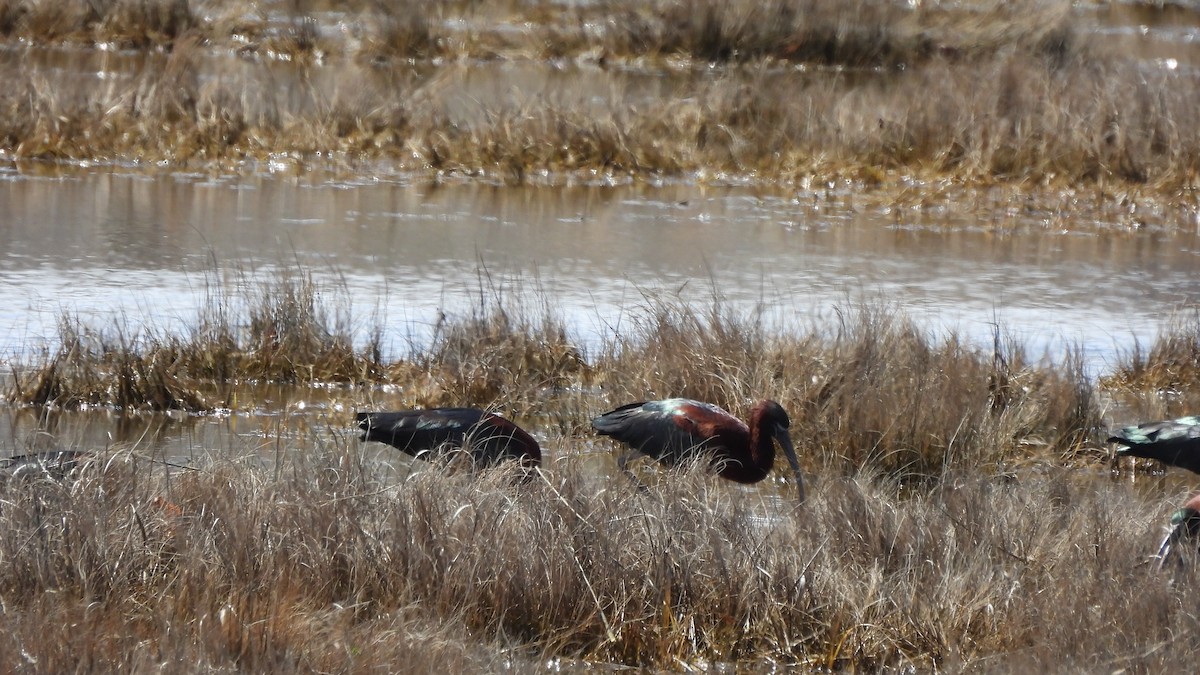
(677, 430)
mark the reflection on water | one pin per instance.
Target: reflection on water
(278, 421)
(143, 249)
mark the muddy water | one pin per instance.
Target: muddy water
(150, 250)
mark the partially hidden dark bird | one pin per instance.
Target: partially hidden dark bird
(436, 432)
(676, 431)
(1184, 528)
(55, 465)
(1172, 442)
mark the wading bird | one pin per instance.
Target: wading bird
(435, 432)
(1175, 443)
(55, 465)
(61, 465)
(1185, 527)
(678, 430)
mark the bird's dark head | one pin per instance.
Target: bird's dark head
(773, 413)
(770, 416)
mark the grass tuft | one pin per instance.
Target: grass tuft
(1159, 381)
(287, 336)
(1171, 362)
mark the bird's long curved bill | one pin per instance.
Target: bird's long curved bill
(785, 442)
(1168, 545)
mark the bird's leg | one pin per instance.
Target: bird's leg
(623, 464)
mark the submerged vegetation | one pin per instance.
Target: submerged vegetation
(870, 91)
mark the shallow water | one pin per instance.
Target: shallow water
(1167, 35)
(149, 251)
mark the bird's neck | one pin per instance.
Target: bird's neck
(762, 455)
(762, 441)
(762, 445)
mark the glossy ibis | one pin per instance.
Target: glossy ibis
(433, 433)
(678, 430)
(60, 465)
(1174, 442)
(55, 465)
(1184, 533)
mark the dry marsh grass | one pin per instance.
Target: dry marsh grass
(999, 93)
(861, 33)
(1158, 381)
(497, 355)
(872, 390)
(322, 559)
(278, 332)
(314, 564)
(129, 24)
(1012, 119)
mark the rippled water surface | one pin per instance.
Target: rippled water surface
(150, 250)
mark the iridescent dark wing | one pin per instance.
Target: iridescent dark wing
(670, 430)
(429, 432)
(1172, 442)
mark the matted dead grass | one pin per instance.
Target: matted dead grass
(315, 564)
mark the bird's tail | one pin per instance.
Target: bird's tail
(614, 421)
(365, 422)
